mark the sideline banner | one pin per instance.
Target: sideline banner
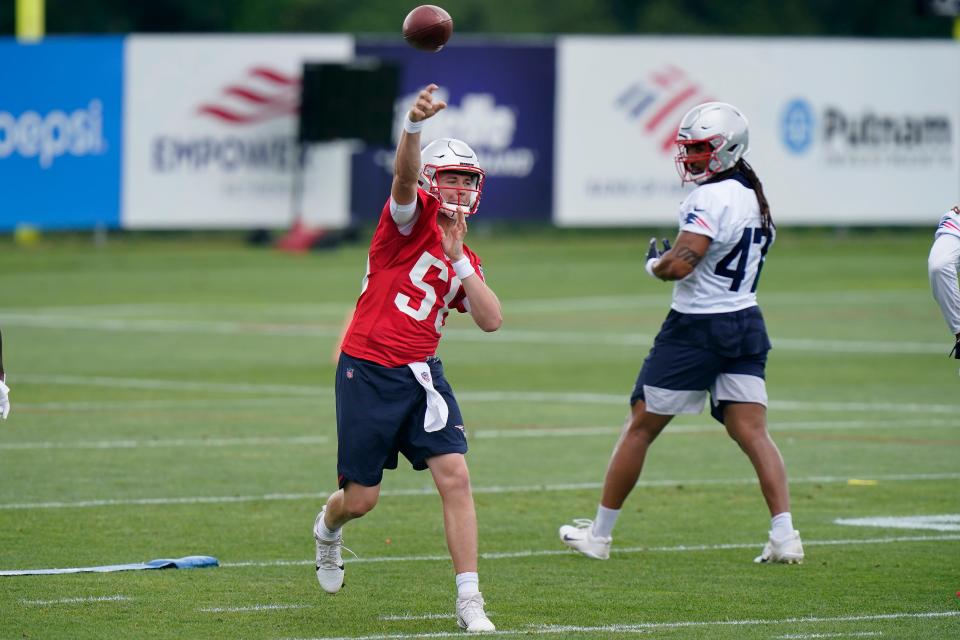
(211, 129)
(60, 120)
(500, 101)
(842, 132)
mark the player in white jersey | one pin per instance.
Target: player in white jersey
(943, 263)
(4, 389)
(714, 340)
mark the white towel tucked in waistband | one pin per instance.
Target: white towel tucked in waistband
(435, 417)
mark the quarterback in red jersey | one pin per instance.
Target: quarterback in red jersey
(392, 395)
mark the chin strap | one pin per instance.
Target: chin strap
(454, 209)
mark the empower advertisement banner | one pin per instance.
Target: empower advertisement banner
(500, 101)
(841, 132)
(60, 120)
(210, 133)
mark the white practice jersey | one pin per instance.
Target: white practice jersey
(949, 223)
(726, 279)
(943, 264)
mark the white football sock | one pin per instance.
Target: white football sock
(603, 524)
(327, 533)
(781, 526)
(468, 584)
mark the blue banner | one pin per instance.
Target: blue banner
(500, 101)
(60, 132)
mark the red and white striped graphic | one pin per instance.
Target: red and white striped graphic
(263, 94)
(660, 100)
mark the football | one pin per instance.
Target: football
(428, 27)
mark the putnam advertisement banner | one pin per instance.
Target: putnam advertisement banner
(499, 101)
(60, 125)
(842, 132)
(210, 133)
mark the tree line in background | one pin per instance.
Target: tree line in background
(853, 18)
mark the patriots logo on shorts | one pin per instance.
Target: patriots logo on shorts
(349, 374)
(425, 376)
(693, 218)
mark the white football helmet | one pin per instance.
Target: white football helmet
(450, 154)
(724, 128)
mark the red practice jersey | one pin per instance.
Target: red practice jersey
(408, 291)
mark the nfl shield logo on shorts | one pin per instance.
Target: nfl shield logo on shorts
(350, 374)
(426, 376)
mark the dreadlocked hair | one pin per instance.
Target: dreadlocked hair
(766, 220)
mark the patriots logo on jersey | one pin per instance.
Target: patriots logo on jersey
(947, 223)
(693, 218)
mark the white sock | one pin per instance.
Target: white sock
(327, 533)
(468, 584)
(781, 525)
(603, 524)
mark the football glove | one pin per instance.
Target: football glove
(4, 400)
(653, 252)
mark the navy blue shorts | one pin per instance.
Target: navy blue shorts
(724, 354)
(380, 413)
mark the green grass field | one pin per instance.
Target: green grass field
(172, 395)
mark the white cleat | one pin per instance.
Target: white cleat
(579, 537)
(329, 561)
(471, 616)
(789, 550)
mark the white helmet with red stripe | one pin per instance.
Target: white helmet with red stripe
(723, 128)
(451, 155)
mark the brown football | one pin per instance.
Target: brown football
(428, 27)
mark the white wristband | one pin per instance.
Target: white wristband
(412, 127)
(651, 263)
(463, 268)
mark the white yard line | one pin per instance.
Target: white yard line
(142, 325)
(182, 310)
(642, 627)
(662, 301)
(165, 443)
(479, 434)
(944, 522)
(170, 385)
(181, 404)
(523, 305)
(808, 425)
(254, 607)
(552, 397)
(425, 616)
(431, 491)
(90, 599)
(537, 553)
(811, 636)
(581, 338)
(860, 407)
